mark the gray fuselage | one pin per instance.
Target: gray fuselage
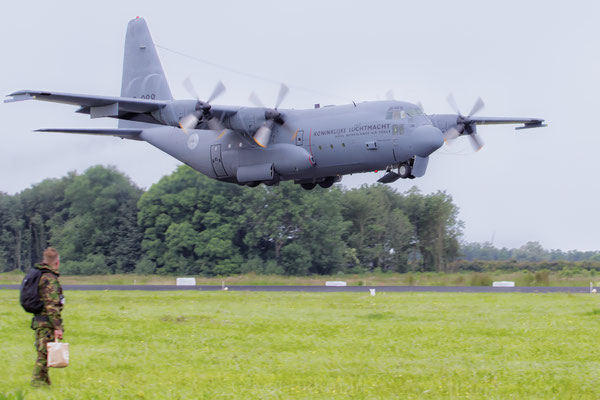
(312, 145)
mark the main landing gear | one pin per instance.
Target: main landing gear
(405, 171)
(324, 183)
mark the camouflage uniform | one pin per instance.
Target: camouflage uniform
(46, 322)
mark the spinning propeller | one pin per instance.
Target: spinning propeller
(464, 125)
(272, 116)
(202, 111)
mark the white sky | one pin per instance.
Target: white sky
(525, 59)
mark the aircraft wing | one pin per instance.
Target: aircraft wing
(96, 106)
(527, 122)
(123, 133)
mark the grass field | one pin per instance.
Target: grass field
(252, 345)
(372, 279)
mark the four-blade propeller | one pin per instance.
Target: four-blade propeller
(464, 124)
(272, 116)
(203, 108)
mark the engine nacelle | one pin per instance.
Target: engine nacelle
(246, 119)
(172, 113)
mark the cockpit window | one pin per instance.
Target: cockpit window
(394, 113)
(414, 112)
(397, 113)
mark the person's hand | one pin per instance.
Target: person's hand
(58, 334)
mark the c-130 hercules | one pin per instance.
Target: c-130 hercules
(253, 145)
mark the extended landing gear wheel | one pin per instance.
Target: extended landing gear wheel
(404, 170)
(253, 184)
(327, 182)
(308, 186)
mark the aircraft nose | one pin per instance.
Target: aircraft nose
(427, 140)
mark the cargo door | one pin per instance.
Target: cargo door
(217, 161)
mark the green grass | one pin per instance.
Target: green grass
(373, 279)
(251, 345)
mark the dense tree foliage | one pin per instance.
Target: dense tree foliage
(196, 225)
(190, 224)
(437, 227)
(90, 218)
(100, 231)
(297, 232)
(11, 232)
(27, 221)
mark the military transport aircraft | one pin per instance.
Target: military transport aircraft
(253, 145)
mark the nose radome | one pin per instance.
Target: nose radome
(427, 139)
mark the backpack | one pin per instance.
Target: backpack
(30, 297)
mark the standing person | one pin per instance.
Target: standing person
(48, 323)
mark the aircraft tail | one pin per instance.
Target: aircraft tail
(143, 76)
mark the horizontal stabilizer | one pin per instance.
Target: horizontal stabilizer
(124, 133)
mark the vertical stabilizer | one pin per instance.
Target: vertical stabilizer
(143, 76)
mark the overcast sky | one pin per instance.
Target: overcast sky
(525, 59)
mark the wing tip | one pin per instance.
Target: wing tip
(19, 95)
(533, 124)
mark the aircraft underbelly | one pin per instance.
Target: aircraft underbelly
(192, 149)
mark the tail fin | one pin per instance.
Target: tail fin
(143, 76)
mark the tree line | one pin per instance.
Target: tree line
(102, 223)
(529, 252)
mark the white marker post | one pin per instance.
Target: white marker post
(372, 292)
